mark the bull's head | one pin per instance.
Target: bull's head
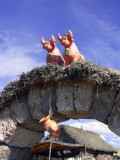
(49, 44)
(66, 40)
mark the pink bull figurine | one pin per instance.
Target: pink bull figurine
(53, 55)
(51, 126)
(71, 53)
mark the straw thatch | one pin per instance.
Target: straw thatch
(55, 73)
(76, 136)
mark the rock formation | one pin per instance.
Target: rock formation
(80, 90)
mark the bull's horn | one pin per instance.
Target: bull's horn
(59, 37)
(42, 41)
(70, 34)
(52, 39)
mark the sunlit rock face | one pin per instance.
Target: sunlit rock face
(80, 90)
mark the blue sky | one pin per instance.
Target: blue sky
(95, 25)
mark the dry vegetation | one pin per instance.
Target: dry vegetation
(54, 73)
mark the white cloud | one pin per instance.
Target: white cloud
(114, 143)
(16, 59)
(101, 129)
(116, 139)
(95, 126)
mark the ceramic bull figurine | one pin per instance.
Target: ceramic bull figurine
(71, 52)
(54, 55)
(51, 126)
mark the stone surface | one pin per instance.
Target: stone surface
(114, 120)
(71, 99)
(20, 113)
(15, 135)
(23, 137)
(65, 100)
(5, 113)
(4, 152)
(34, 102)
(42, 102)
(103, 101)
(50, 104)
(13, 153)
(59, 117)
(39, 101)
(83, 94)
(19, 122)
(7, 125)
(46, 100)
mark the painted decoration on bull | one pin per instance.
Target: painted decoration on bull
(54, 55)
(71, 53)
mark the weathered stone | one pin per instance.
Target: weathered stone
(65, 100)
(5, 114)
(114, 120)
(34, 102)
(21, 114)
(50, 105)
(14, 135)
(4, 152)
(23, 137)
(46, 100)
(7, 125)
(58, 117)
(14, 153)
(39, 102)
(83, 93)
(103, 101)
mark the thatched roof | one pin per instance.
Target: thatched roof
(75, 136)
(55, 73)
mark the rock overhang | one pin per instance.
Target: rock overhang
(80, 90)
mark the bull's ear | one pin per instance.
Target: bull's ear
(52, 39)
(42, 41)
(59, 37)
(70, 35)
